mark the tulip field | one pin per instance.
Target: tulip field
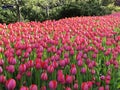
(79, 53)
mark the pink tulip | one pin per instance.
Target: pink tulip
(11, 84)
(19, 76)
(60, 77)
(68, 79)
(83, 70)
(68, 88)
(12, 61)
(28, 73)
(10, 68)
(33, 87)
(53, 84)
(44, 76)
(24, 88)
(73, 70)
(101, 88)
(50, 69)
(62, 63)
(80, 62)
(43, 88)
(1, 62)
(1, 70)
(76, 86)
(2, 79)
(22, 68)
(107, 87)
(84, 86)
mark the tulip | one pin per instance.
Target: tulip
(10, 68)
(44, 76)
(62, 63)
(43, 88)
(2, 79)
(75, 86)
(102, 77)
(53, 84)
(107, 87)
(22, 68)
(80, 62)
(83, 70)
(24, 88)
(84, 86)
(1, 62)
(19, 76)
(73, 70)
(101, 88)
(33, 87)
(60, 77)
(50, 69)
(1, 70)
(28, 73)
(12, 61)
(11, 84)
(68, 79)
(67, 88)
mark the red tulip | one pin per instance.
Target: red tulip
(11, 84)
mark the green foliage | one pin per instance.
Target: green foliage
(7, 16)
(113, 8)
(40, 10)
(88, 8)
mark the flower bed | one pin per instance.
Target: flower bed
(81, 53)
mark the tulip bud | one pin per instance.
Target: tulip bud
(69, 79)
(101, 88)
(1, 62)
(50, 69)
(33, 87)
(44, 76)
(10, 68)
(1, 70)
(43, 88)
(11, 84)
(24, 88)
(53, 84)
(2, 79)
(22, 68)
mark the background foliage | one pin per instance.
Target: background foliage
(40, 10)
